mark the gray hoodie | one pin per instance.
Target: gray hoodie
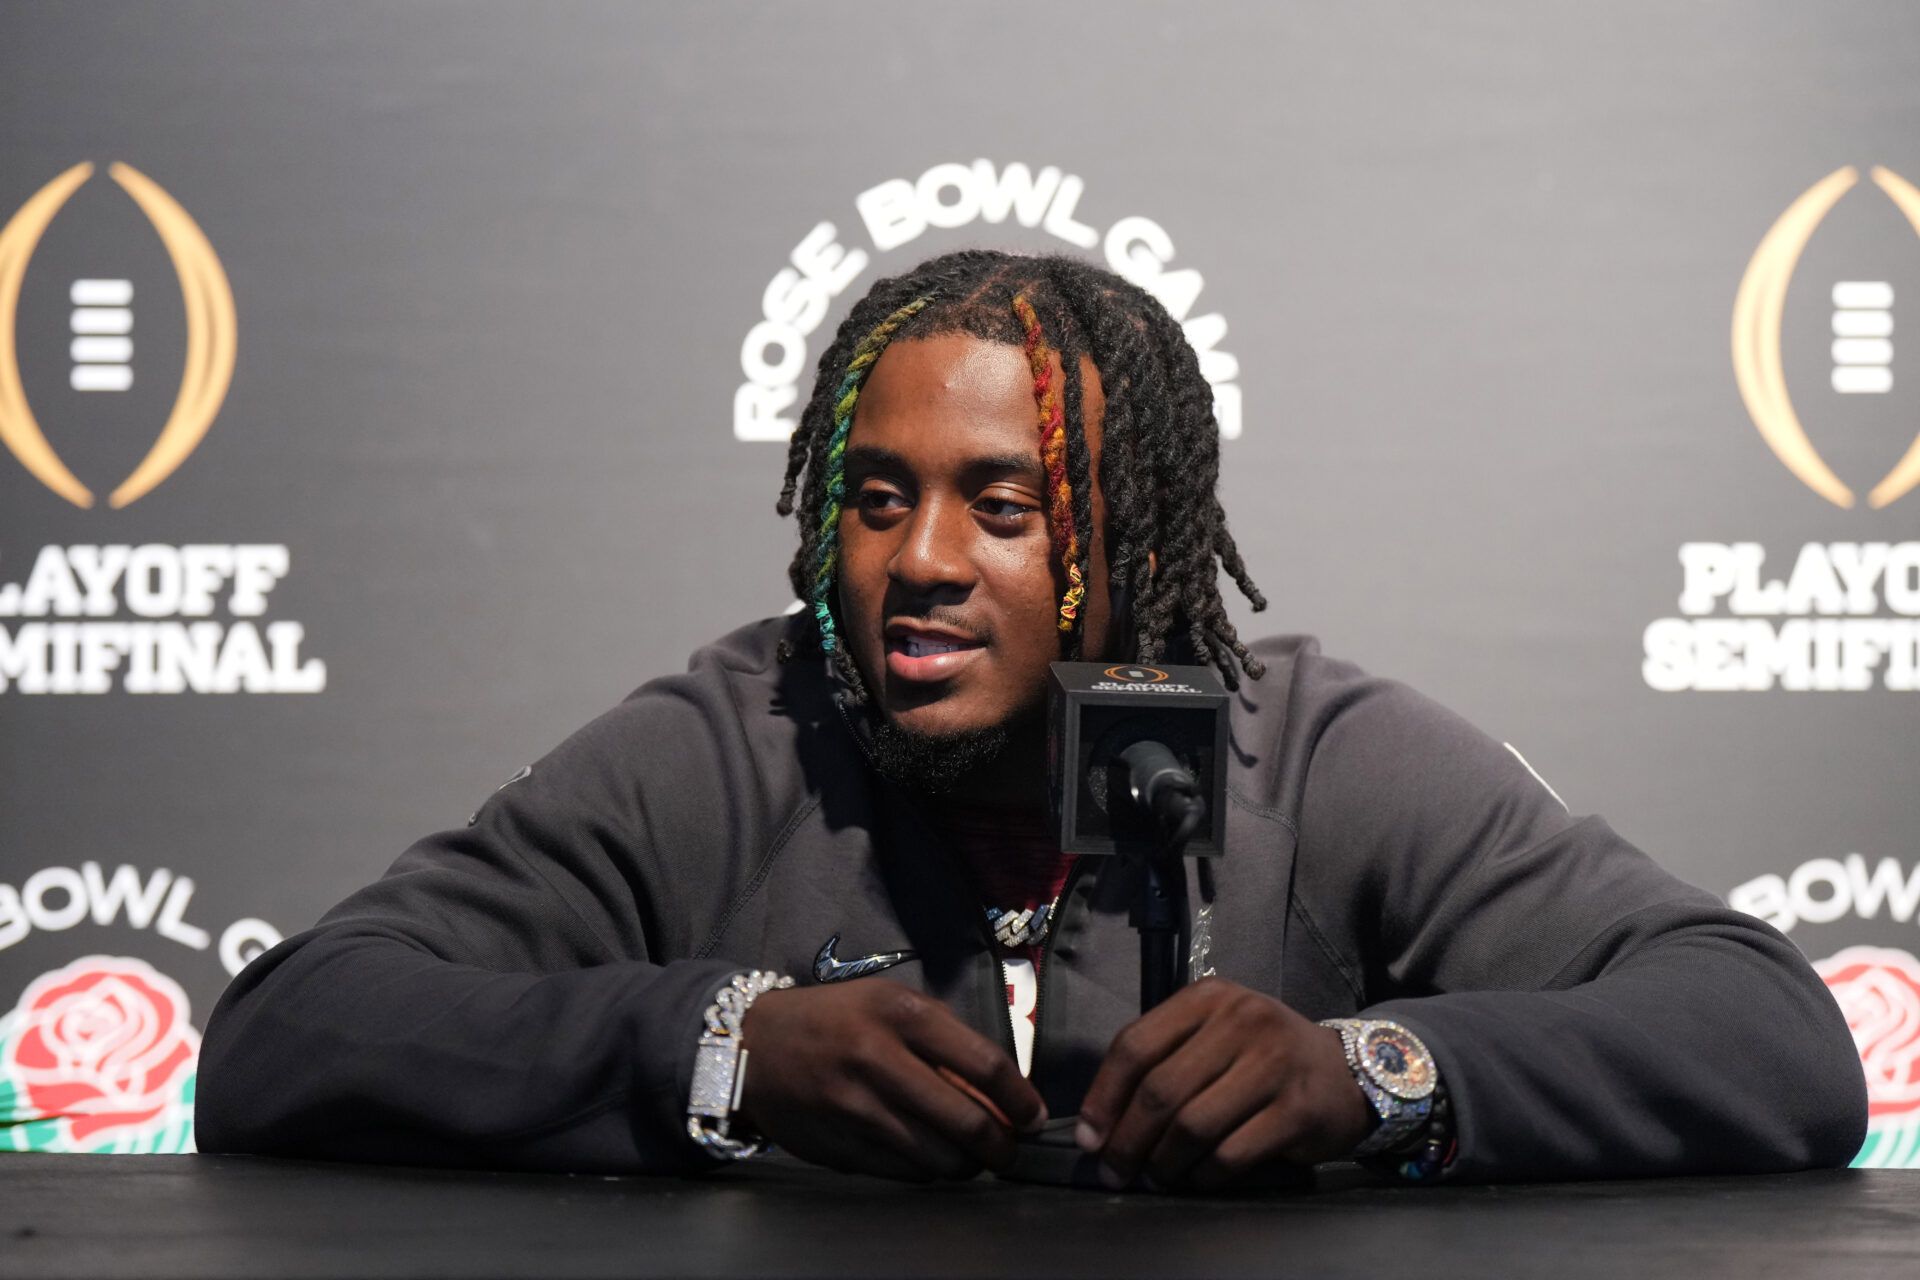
(526, 991)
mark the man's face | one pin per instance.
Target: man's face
(949, 591)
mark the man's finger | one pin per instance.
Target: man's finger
(1138, 1049)
(896, 1137)
(1164, 1093)
(919, 1092)
(1205, 1121)
(932, 1031)
(954, 1078)
(910, 1088)
(1263, 1138)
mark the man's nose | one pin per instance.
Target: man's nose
(933, 551)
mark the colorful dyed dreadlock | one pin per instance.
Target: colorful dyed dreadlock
(828, 552)
(1159, 464)
(1053, 456)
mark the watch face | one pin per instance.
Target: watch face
(1397, 1061)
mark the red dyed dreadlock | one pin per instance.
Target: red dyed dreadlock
(1053, 455)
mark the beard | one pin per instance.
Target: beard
(934, 764)
(939, 764)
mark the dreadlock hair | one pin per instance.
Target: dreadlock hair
(1160, 455)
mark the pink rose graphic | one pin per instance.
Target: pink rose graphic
(104, 1042)
(1879, 992)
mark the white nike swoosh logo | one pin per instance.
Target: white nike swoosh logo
(828, 969)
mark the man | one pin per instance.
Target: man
(1008, 461)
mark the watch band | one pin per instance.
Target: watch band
(1433, 1148)
(720, 1066)
(1395, 1072)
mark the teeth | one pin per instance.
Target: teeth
(917, 648)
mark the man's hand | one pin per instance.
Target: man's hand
(851, 1076)
(1215, 1082)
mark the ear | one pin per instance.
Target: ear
(1153, 564)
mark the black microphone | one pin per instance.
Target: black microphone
(1135, 758)
(1164, 787)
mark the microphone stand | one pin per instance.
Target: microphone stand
(1144, 803)
(1159, 913)
(1164, 789)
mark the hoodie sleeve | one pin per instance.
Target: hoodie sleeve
(1592, 1016)
(504, 996)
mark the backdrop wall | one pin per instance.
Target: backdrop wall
(386, 390)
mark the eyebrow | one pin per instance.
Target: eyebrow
(871, 458)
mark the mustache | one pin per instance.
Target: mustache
(903, 608)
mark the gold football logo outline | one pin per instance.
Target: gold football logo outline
(211, 335)
(1120, 673)
(1757, 366)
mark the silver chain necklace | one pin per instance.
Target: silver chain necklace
(1024, 928)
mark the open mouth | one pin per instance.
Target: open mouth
(925, 655)
(915, 647)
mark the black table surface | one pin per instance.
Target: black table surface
(154, 1217)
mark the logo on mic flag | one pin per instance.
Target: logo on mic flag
(1135, 675)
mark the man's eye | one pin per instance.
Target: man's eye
(879, 500)
(1004, 508)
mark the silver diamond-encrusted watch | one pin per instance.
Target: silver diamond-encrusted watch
(1395, 1072)
(720, 1066)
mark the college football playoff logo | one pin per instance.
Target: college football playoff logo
(1861, 324)
(209, 327)
(1135, 674)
